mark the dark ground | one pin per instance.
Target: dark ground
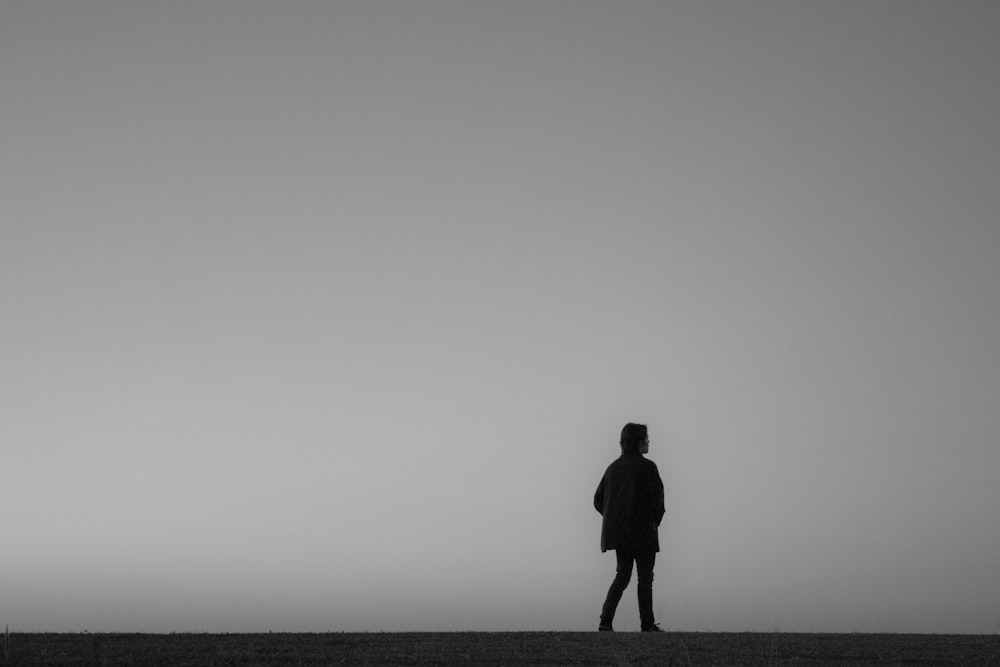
(500, 648)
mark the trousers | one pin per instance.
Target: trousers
(644, 561)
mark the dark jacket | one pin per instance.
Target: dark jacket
(630, 498)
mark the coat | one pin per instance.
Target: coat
(630, 498)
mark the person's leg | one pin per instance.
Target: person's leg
(644, 562)
(622, 575)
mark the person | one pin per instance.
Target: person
(630, 500)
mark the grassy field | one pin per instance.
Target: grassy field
(500, 648)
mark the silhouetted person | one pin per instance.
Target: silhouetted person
(630, 498)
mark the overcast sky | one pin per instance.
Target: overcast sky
(327, 315)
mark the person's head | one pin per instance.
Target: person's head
(635, 439)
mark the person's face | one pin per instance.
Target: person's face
(644, 447)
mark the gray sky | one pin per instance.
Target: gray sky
(327, 316)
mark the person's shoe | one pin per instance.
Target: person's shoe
(654, 628)
(605, 627)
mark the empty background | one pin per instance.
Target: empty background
(327, 315)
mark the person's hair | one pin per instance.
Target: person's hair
(632, 437)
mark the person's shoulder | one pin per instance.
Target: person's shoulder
(617, 464)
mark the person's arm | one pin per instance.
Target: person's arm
(658, 504)
(599, 498)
